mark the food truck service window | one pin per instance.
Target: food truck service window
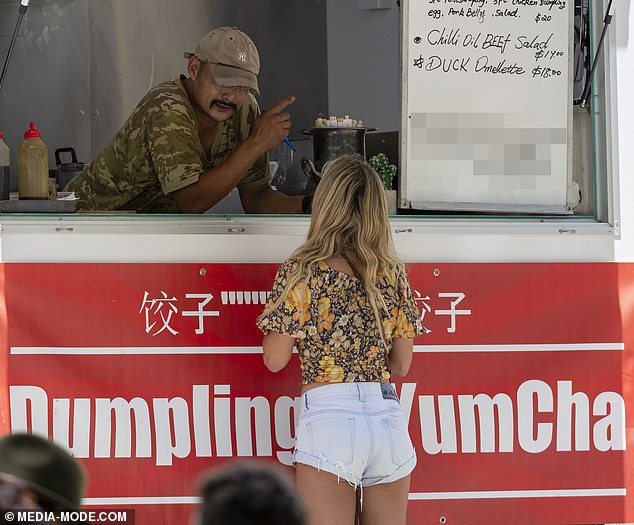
(507, 107)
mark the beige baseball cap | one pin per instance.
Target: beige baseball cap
(232, 57)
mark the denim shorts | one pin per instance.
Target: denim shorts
(356, 431)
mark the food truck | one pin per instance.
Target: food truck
(130, 339)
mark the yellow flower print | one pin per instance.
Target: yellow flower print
(403, 328)
(269, 307)
(409, 331)
(264, 323)
(324, 316)
(298, 301)
(323, 306)
(336, 338)
(329, 372)
(373, 353)
(388, 328)
(396, 326)
(394, 315)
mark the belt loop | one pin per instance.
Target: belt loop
(306, 400)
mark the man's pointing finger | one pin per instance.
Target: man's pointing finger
(279, 106)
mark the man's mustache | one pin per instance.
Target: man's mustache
(226, 104)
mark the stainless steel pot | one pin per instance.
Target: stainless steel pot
(330, 143)
(67, 171)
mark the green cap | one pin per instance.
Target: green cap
(44, 467)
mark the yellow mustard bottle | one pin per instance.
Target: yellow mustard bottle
(5, 163)
(32, 166)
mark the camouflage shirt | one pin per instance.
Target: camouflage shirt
(158, 151)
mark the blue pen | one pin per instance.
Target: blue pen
(290, 144)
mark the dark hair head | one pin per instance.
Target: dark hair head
(249, 493)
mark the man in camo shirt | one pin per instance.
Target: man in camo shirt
(190, 141)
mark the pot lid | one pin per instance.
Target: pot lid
(334, 129)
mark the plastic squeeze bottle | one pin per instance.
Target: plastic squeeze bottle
(5, 163)
(33, 166)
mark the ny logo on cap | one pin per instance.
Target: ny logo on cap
(242, 56)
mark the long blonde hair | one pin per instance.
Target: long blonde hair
(349, 219)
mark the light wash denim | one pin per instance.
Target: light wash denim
(356, 431)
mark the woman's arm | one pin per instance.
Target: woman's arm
(277, 350)
(400, 358)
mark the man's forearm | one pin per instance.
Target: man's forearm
(215, 183)
(266, 200)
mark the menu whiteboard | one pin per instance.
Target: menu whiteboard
(487, 105)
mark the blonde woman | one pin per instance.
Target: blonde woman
(343, 299)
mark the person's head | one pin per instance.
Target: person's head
(249, 493)
(349, 219)
(223, 69)
(349, 213)
(36, 473)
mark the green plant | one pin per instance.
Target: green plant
(382, 166)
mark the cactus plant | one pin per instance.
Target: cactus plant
(382, 166)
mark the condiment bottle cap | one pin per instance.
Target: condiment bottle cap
(31, 132)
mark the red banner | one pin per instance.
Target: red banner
(519, 398)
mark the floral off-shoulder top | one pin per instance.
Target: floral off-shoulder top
(333, 325)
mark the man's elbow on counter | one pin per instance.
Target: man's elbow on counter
(188, 208)
(190, 201)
